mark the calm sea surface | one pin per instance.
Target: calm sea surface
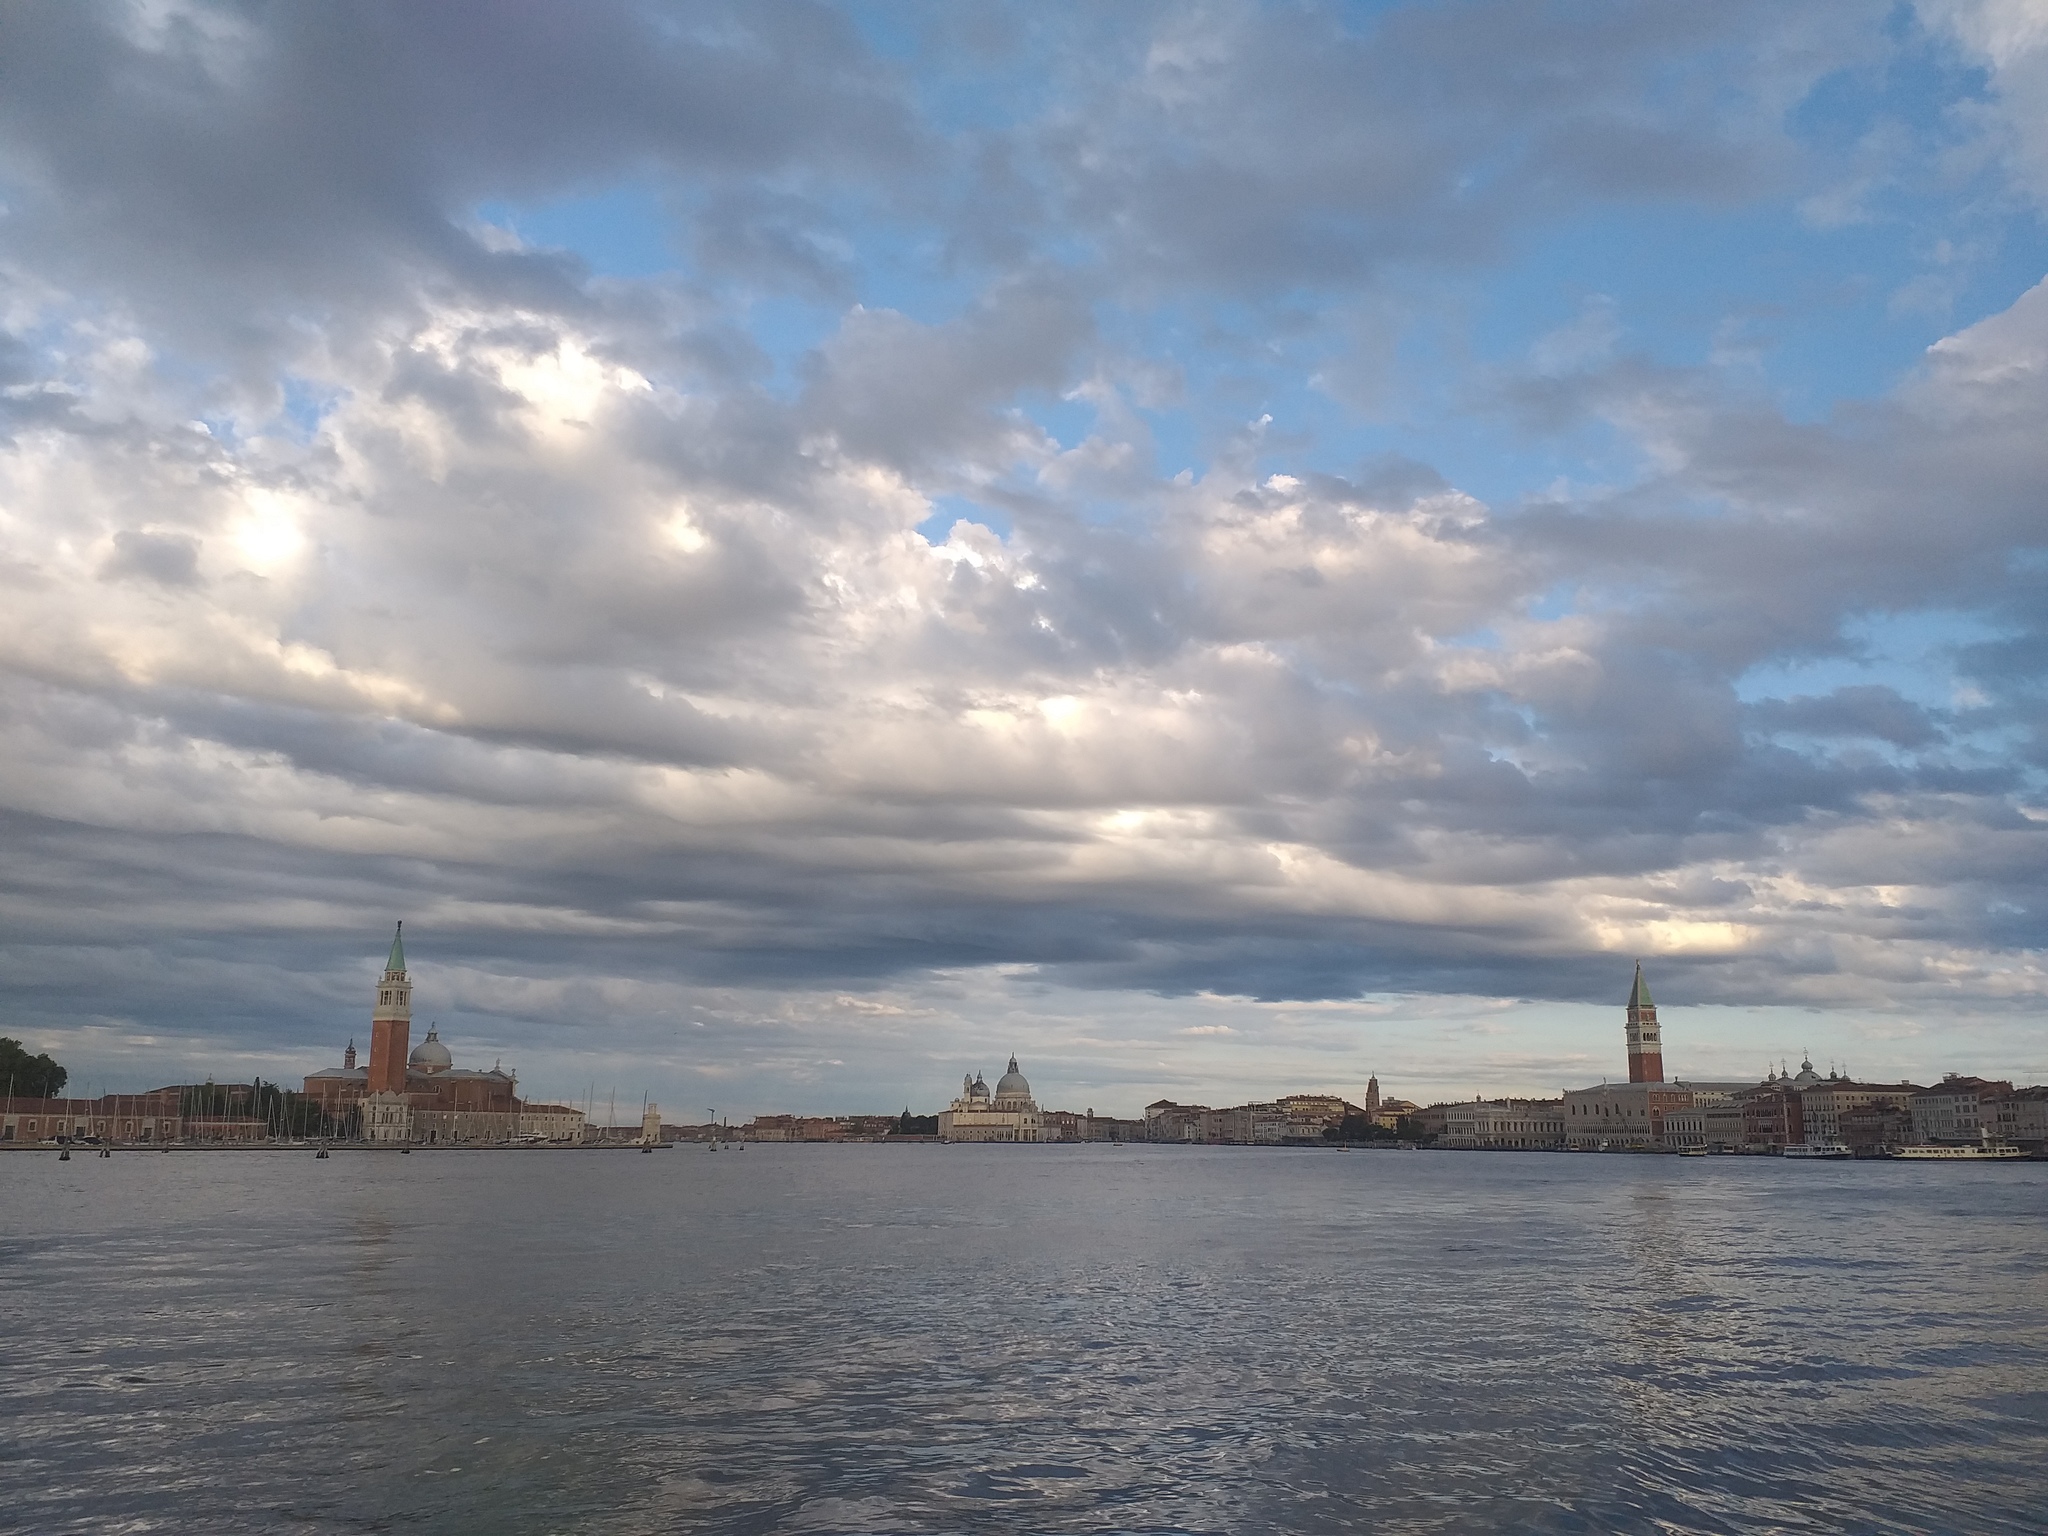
(1019, 1339)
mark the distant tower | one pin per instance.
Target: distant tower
(348, 1057)
(1372, 1094)
(391, 1023)
(1645, 1050)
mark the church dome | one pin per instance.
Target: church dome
(1012, 1083)
(977, 1089)
(430, 1055)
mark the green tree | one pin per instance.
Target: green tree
(1361, 1128)
(1413, 1130)
(34, 1077)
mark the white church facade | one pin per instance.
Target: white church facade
(1009, 1114)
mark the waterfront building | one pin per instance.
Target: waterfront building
(1009, 1114)
(550, 1122)
(1773, 1118)
(821, 1128)
(1430, 1123)
(1505, 1125)
(1715, 1116)
(1296, 1119)
(1824, 1103)
(1956, 1110)
(1629, 1117)
(2023, 1120)
(1168, 1121)
(1309, 1115)
(1873, 1129)
(140, 1118)
(1392, 1112)
(1089, 1126)
(1249, 1125)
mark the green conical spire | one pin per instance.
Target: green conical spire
(1639, 997)
(397, 960)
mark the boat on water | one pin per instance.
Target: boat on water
(1827, 1149)
(1965, 1153)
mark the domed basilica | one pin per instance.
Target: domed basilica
(1010, 1114)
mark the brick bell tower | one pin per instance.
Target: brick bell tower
(391, 1023)
(1645, 1048)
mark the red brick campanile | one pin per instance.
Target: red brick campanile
(1645, 1048)
(391, 1023)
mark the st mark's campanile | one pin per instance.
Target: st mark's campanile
(1645, 1048)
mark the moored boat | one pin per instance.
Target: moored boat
(1968, 1153)
(1827, 1149)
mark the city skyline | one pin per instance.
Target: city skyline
(386, 1036)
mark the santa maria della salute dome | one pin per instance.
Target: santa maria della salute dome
(1011, 1114)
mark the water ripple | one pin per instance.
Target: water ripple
(877, 1339)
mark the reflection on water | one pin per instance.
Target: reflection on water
(843, 1339)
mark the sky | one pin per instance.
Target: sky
(1222, 549)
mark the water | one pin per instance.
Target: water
(923, 1339)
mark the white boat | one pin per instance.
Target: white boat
(1952, 1154)
(1829, 1149)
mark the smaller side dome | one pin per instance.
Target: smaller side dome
(430, 1055)
(977, 1089)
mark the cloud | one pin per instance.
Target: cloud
(2010, 39)
(171, 559)
(599, 627)
(1870, 710)
(229, 173)
(1267, 147)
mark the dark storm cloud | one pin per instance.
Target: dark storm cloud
(229, 165)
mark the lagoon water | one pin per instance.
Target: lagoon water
(928, 1339)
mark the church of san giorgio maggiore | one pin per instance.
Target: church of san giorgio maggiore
(419, 1096)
